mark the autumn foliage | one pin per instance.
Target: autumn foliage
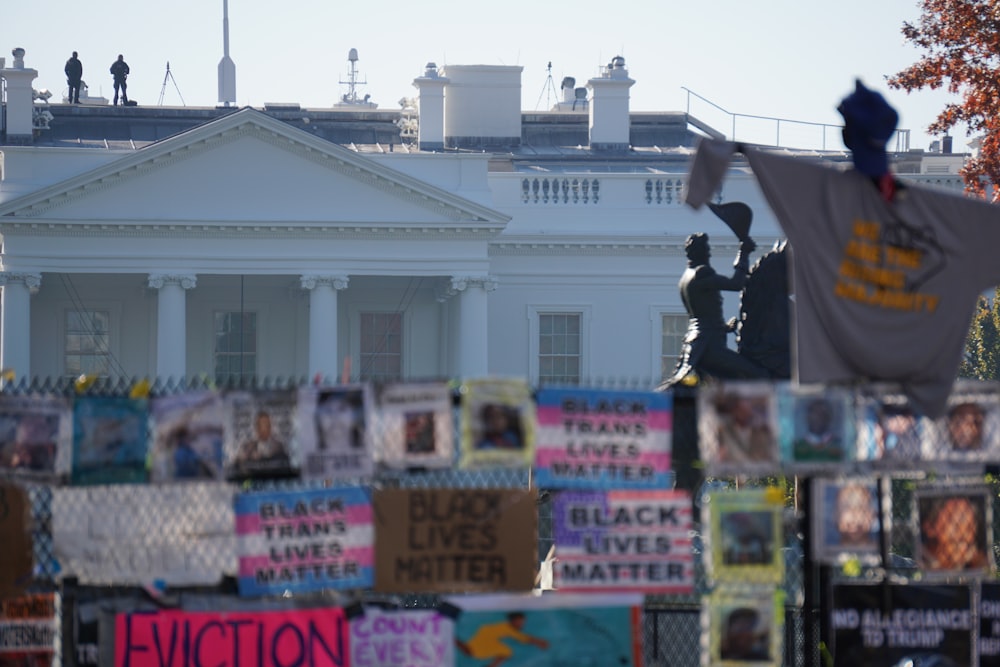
(960, 40)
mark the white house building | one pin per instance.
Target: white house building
(289, 242)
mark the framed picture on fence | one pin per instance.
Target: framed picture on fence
(969, 431)
(745, 536)
(743, 628)
(816, 426)
(845, 520)
(954, 530)
(737, 427)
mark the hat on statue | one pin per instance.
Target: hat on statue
(869, 123)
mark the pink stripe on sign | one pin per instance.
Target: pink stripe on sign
(247, 524)
(363, 556)
(544, 458)
(359, 514)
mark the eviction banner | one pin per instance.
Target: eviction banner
(410, 637)
(304, 540)
(455, 540)
(304, 637)
(624, 541)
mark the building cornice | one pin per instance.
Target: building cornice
(669, 247)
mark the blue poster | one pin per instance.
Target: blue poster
(109, 440)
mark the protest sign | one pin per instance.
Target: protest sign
(181, 534)
(413, 424)
(187, 437)
(454, 540)
(562, 629)
(305, 540)
(589, 438)
(954, 529)
(303, 637)
(410, 637)
(332, 428)
(743, 626)
(15, 536)
(816, 427)
(737, 427)
(36, 435)
(892, 624)
(28, 630)
(623, 541)
(744, 539)
(258, 429)
(989, 625)
(110, 441)
(845, 520)
(497, 423)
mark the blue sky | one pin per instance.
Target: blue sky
(791, 59)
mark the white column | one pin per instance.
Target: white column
(473, 345)
(15, 350)
(171, 324)
(323, 359)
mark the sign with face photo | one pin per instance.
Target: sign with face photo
(816, 426)
(333, 431)
(413, 425)
(258, 429)
(891, 430)
(745, 535)
(954, 530)
(737, 427)
(969, 431)
(743, 628)
(845, 520)
(497, 423)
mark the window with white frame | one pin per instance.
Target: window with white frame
(381, 346)
(672, 330)
(88, 342)
(559, 348)
(235, 345)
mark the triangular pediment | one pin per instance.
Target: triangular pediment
(248, 168)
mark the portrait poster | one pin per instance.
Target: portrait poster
(745, 535)
(497, 423)
(815, 426)
(455, 540)
(989, 624)
(180, 534)
(893, 624)
(557, 629)
(28, 630)
(333, 429)
(743, 627)
(110, 440)
(600, 439)
(36, 436)
(187, 437)
(310, 637)
(16, 561)
(845, 520)
(954, 529)
(738, 427)
(410, 637)
(968, 434)
(259, 427)
(414, 426)
(891, 430)
(306, 540)
(623, 541)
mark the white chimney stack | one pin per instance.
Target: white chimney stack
(430, 104)
(20, 101)
(482, 106)
(609, 112)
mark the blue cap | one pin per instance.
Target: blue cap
(869, 123)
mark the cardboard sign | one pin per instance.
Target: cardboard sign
(452, 540)
(624, 541)
(412, 637)
(15, 536)
(181, 534)
(591, 438)
(889, 624)
(28, 629)
(304, 540)
(305, 637)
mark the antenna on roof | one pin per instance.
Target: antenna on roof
(163, 89)
(227, 68)
(350, 98)
(548, 90)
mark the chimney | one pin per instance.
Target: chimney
(430, 106)
(20, 101)
(482, 106)
(568, 92)
(609, 119)
(946, 144)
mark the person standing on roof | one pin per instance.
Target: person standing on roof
(119, 70)
(74, 76)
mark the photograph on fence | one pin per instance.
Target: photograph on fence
(745, 535)
(259, 430)
(110, 440)
(332, 432)
(593, 438)
(626, 541)
(36, 435)
(816, 426)
(968, 435)
(413, 426)
(954, 529)
(394, 637)
(497, 423)
(845, 520)
(891, 430)
(562, 629)
(186, 437)
(742, 627)
(738, 427)
(901, 624)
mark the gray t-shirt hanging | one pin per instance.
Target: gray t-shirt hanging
(883, 292)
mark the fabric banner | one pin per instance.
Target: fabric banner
(180, 534)
(561, 629)
(414, 426)
(306, 540)
(623, 541)
(901, 624)
(406, 637)
(28, 630)
(590, 438)
(304, 637)
(333, 431)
